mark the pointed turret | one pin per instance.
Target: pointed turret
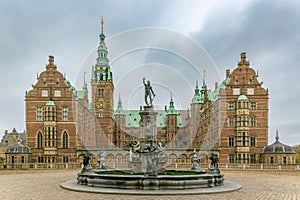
(277, 137)
(93, 74)
(197, 96)
(119, 109)
(102, 72)
(171, 109)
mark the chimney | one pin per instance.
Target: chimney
(166, 109)
(141, 108)
(227, 73)
(216, 85)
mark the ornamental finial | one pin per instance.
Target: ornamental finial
(102, 22)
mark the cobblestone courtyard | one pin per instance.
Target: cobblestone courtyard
(45, 184)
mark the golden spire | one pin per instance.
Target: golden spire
(102, 22)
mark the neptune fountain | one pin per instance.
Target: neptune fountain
(147, 171)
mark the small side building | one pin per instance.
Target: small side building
(278, 153)
(17, 154)
(10, 139)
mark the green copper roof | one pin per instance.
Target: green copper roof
(242, 97)
(197, 97)
(119, 109)
(80, 94)
(101, 72)
(50, 103)
(227, 80)
(90, 107)
(70, 86)
(133, 118)
(171, 109)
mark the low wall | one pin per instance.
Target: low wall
(185, 166)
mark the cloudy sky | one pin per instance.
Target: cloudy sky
(269, 31)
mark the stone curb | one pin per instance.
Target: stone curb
(227, 187)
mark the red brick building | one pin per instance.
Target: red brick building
(234, 117)
(61, 123)
(58, 119)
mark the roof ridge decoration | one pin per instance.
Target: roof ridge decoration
(51, 63)
(243, 60)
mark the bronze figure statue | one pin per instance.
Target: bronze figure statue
(148, 93)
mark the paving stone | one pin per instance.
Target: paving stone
(45, 184)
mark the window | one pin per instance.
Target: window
(231, 141)
(284, 160)
(252, 121)
(250, 91)
(250, 81)
(242, 139)
(40, 159)
(65, 140)
(40, 140)
(242, 158)
(50, 136)
(242, 121)
(65, 159)
(39, 114)
(44, 93)
(253, 141)
(65, 114)
(252, 105)
(253, 158)
(57, 93)
(238, 121)
(239, 158)
(231, 158)
(12, 159)
(50, 113)
(100, 93)
(272, 160)
(236, 91)
(236, 81)
(230, 105)
(22, 159)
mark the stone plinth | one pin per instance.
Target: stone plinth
(148, 124)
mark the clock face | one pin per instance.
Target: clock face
(100, 104)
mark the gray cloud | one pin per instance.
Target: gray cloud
(268, 30)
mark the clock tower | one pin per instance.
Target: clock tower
(102, 93)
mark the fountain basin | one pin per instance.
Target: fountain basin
(141, 182)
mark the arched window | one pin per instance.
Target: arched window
(100, 93)
(236, 82)
(65, 140)
(39, 140)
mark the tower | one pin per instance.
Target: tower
(120, 119)
(171, 122)
(102, 92)
(196, 106)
